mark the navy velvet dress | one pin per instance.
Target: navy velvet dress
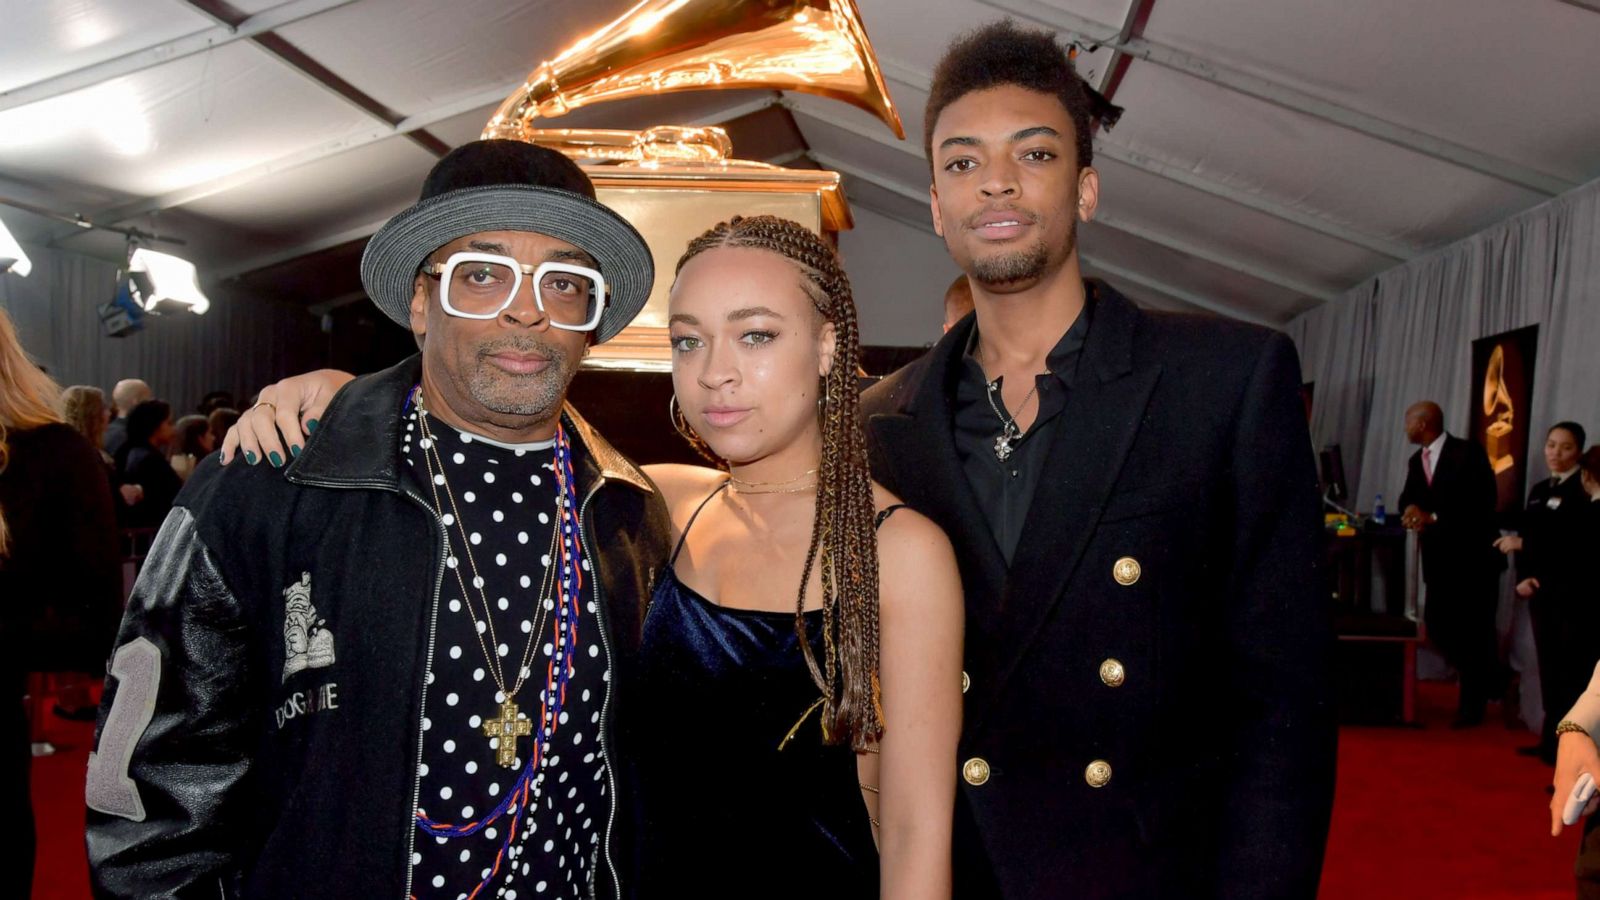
(725, 812)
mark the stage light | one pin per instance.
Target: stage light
(165, 283)
(12, 259)
(123, 315)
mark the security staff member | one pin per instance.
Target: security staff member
(1550, 567)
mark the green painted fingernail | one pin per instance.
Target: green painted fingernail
(294, 449)
(249, 457)
(275, 459)
(311, 426)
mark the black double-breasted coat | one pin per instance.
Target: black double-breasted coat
(1148, 710)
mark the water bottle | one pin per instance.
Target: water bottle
(1378, 514)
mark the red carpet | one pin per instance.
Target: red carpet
(1420, 813)
(1430, 812)
(61, 872)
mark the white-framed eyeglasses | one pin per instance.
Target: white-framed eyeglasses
(482, 286)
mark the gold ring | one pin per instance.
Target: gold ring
(265, 403)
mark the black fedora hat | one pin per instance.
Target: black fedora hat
(500, 185)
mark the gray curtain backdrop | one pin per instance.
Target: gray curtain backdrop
(241, 344)
(1407, 336)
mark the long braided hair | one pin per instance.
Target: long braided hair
(843, 539)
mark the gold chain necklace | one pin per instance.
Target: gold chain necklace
(794, 490)
(506, 725)
(739, 485)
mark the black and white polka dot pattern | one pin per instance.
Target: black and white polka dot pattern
(507, 501)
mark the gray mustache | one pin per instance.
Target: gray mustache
(522, 345)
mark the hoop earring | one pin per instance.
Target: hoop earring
(680, 424)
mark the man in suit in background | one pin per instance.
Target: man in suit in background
(1449, 500)
(128, 393)
(1133, 504)
(957, 301)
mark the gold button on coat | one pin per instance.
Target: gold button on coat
(1098, 773)
(975, 771)
(965, 682)
(1112, 673)
(1126, 571)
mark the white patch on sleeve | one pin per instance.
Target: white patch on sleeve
(108, 788)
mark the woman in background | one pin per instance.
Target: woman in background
(1576, 752)
(142, 460)
(218, 421)
(191, 443)
(58, 566)
(1545, 562)
(85, 409)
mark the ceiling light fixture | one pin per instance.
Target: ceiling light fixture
(165, 283)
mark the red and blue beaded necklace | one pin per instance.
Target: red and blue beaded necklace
(527, 789)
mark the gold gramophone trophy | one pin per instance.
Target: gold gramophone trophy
(673, 182)
(1498, 412)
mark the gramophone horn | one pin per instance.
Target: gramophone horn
(814, 46)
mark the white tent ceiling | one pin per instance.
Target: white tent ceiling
(1274, 153)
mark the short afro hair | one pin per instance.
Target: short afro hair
(1002, 53)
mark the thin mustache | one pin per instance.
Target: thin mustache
(1024, 215)
(522, 346)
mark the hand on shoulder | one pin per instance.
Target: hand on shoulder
(286, 412)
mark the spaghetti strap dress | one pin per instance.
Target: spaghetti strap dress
(728, 806)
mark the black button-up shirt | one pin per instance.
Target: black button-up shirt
(1004, 490)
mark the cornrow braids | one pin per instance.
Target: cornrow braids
(844, 542)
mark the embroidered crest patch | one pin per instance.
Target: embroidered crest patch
(307, 641)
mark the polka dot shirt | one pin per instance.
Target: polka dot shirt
(506, 498)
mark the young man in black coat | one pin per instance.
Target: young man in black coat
(1449, 498)
(1133, 504)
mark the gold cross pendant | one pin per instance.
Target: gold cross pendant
(507, 728)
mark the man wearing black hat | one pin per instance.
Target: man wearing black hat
(354, 678)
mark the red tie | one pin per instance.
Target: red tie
(1427, 465)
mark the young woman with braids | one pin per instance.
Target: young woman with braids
(798, 705)
(805, 615)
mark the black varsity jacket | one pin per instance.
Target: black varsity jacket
(249, 749)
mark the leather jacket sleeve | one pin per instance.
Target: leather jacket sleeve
(174, 747)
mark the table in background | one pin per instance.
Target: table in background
(1372, 580)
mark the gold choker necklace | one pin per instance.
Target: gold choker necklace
(740, 486)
